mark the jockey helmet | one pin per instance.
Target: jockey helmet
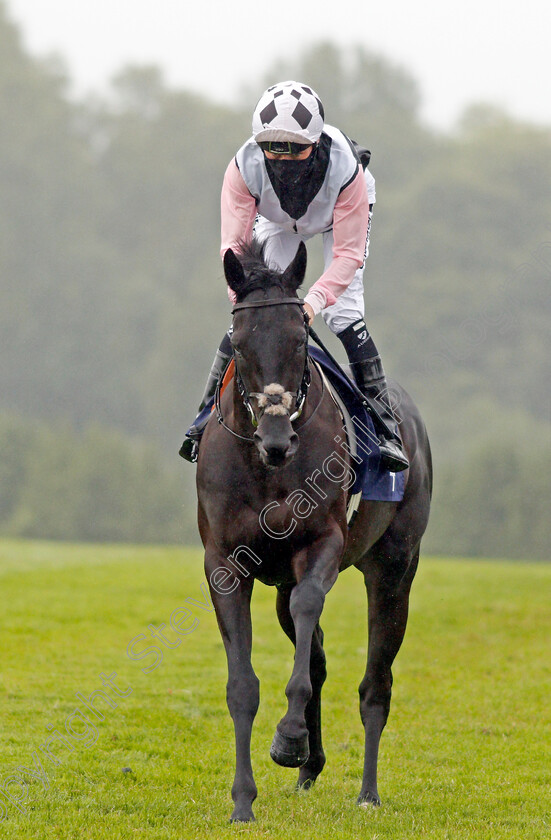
(288, 111)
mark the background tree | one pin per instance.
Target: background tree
(113, 296)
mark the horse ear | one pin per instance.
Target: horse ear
(293, 276)
(233, 270)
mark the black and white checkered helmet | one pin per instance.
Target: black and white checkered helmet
(288, 111)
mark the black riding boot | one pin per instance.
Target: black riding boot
(370, 378)
(190, 447)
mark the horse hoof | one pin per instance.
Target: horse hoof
(310, 771)
(242, 817)
(289, 752)
(369, 800)
(306, 784)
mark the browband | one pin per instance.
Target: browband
(256, 304)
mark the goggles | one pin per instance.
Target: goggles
(283, 147)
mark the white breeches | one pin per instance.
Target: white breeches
(281, 248)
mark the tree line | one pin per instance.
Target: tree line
(113, 297)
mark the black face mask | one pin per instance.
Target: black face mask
(291, 174)
(296, 182)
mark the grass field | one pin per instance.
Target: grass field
(466, 753)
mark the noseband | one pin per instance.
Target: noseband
(279, 399)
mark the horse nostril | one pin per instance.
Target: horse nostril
(275, 451)
(275, 457)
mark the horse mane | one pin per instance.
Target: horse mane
(259, 274)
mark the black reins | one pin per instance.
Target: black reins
(302, 391)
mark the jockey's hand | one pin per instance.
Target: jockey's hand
(309, 311)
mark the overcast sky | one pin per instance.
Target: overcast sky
(459, 52)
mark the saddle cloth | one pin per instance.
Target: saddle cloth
(372, 482)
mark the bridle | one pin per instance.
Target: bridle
(276, 399)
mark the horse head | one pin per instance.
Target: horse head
(270, 338)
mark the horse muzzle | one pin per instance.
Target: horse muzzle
(276, 440)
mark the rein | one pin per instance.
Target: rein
(300, 396)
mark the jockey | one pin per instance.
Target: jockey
(294, 178)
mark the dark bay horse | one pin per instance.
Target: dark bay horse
(272, 485)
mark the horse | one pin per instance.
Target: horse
(272, 498)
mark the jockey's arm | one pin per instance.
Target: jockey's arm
(350, 221)
(238, 212)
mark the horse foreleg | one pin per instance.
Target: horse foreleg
(233, 613)
(310, 771)
(315, 576)
(388, 581)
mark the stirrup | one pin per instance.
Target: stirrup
(392, 456)
(189, 450)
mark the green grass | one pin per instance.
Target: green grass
(465, 753)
